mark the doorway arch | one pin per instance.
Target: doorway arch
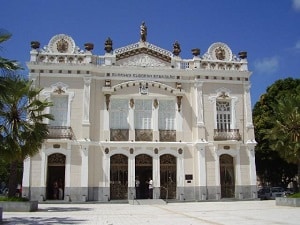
(56, 176)
(118, 177)
(168, 176)
(143, 171)
(227, 176)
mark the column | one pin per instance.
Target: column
(156, 176)
(199, 103)
(86, 100)
(131, 177)
(26, 177)
(84, 171)
(201, 170)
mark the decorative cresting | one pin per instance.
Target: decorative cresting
(56, 159)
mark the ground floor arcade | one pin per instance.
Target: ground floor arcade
(124, 173)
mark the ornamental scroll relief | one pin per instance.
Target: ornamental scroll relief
(143, 60)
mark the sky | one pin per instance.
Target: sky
(269, 30)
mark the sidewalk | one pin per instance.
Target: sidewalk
(216, 213)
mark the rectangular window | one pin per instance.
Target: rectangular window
(119, 114)
(223, 115)
(143, 114)
(166, 115)
(59, 110)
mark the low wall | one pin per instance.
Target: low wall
(30, 206)
(1, 213)
(294, 202)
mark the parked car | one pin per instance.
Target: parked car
(264, 193)
(267, 193)
(277, 192)
(288, 191)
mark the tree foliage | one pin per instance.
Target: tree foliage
(276, 120)
(22, 127)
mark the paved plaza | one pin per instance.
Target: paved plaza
(230, 212)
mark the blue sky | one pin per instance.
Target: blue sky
(269, 30)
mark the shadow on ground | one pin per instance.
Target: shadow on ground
(41, 220)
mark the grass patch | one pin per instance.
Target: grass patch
(296, 195)
(13, 199)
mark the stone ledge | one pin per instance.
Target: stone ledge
(282, 201)
(30, 206)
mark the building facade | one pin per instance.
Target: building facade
(141, 112)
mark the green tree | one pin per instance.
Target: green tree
(272, 166)
(7, 65)
(285, 132)
(22, 127)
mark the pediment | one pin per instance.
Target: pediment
(143, 60)
(143, 54)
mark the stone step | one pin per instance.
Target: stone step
(147, 202)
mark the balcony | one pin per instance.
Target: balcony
(60, 132)
(167, 135)
(227, 135)
(119, 134)
(143, 135)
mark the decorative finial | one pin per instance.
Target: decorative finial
(35, 44)
(89, 46)
(143, 32)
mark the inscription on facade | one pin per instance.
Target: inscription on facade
(150, 76)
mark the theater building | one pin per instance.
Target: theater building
(140, 112)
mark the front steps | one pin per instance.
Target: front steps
(147, 202)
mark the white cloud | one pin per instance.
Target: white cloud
(296, 5)
(297, 46)
(267, 65)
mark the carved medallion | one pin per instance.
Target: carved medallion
(61, 43)
(220, 51)
(62, 46)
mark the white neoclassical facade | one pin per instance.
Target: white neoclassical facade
(140, 112)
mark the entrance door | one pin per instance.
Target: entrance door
(56, 176)
(227, 176)
(118, 177)
(143, 171)
(168, 176)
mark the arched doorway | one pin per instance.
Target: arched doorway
(168, 176)
(118, 177)
(143, 171)
(227, 176)
(56, 176)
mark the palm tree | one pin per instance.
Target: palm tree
(7, 65)
(285, 133)
(22, 127)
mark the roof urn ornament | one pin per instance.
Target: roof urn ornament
(243, 55)
(35, 44)
(108, 45)
(89, 46)
(176, 48)
(196, 51)
(143, 32)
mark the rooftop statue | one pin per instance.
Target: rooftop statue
(143, 32)
(176, 48)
